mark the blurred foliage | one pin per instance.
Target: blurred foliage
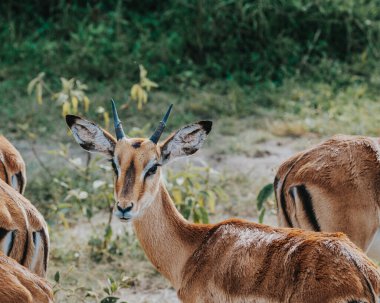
(212, 58)
(72, 92)
(248, 41)
(139, 91)
(109, 295)
(195, 191)
(263, 200)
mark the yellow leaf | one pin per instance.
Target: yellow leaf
(148, 84)
(86, 103)
(39, 93)
(143, 72)
(201, 202)
(211, 201)
(64, 220)
(74, 102)
(106, 117)
(135, 91)
(65, 109)
(177, 195)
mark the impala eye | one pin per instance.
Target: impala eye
(152, 170)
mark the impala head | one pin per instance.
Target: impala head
(137, 161)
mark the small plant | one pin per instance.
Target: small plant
(262, 199)
(139, 91)
(112, 287)
(109, 294)
(72, 93)
(194, 192)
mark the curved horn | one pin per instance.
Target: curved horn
(118, 127)
(160, 128)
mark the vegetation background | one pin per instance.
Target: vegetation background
(274, 75)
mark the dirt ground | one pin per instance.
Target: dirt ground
(249, 156)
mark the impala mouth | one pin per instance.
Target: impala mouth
(123, 216)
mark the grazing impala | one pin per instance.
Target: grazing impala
(19, 285)
(12, 166)
(23, 230)
(334, 186)
(232, 261)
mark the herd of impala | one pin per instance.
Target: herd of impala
(328, 200)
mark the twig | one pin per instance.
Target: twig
(39, 160)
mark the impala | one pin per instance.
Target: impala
(24, 239)
(12, 166)
(334, 186)
(23, 230)
(231, 261)
(19, 285)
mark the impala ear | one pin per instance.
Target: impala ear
(186, 141)
(90, 136)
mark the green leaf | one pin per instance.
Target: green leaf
(196, 215)
(108, 234)
(204, 215)
(110, 300)
(264, 194)
(261, 217)
(57, 277)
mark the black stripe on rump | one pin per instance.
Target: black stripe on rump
(275, 184)
(283, 204)
(307, 202)
(21, 181)
(3, 233)
(46, 247)
(26, 248)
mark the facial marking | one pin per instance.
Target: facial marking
(147, 167)
(136, 145)
(116, 166)
(129, 179)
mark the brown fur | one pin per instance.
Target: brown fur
(235, 260)
(19, 285)
(342, 176)
(11, 165)
(19, 215)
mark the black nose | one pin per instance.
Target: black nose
(124, 210)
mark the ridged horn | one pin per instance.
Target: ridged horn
(118, 127)
(161, 126)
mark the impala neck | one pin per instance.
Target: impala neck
(166, 237)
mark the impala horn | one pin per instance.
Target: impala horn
(161, 126)
(118, 127)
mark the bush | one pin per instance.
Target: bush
(248, 41)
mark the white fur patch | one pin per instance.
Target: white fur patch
(247, 237)
(36, 255)
(15, 182)
(7, 241)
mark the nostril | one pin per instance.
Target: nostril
(129, 208)
(119, 208)
(124, 210)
